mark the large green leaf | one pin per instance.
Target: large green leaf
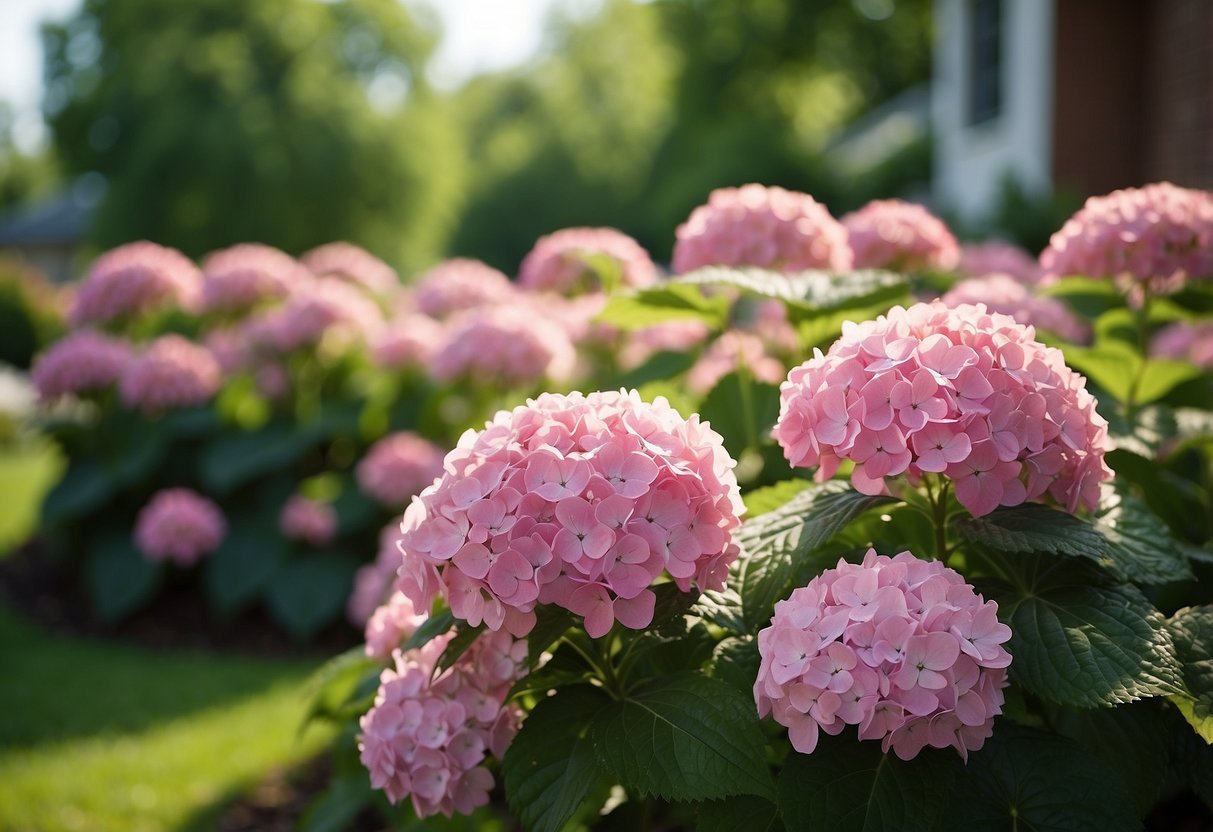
(251, 554)
(1192, 630)
(742, 410)
(850, 786)
(550, 767)
(1139, 542)
(1133, 740)
(1024, 779)
(665, 302)
(684, 737)
(778, 545)
(339, 804)
(234, 458)
(84, 488)
(760, 501)
(809, 294)
(310, 591)
(1112, 365)
(120, 579)
(1077, 640)
(745, 811)
(1032, 527)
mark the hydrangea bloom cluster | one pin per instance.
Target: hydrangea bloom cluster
(350, 262)
(731, 350)
(408, 342)
(579, 501)
(1004, 294)
(458, 284)
(322, 305)
(397, 467)
(759, 226)
(502, 345)
(559, 262)
(1191, 342)
(1151, 238)
(78, 363)
(956, 391)
(428, 739)
(134, 279)
(170, 372)
(676, 335)
(898, 235)
(390, 624)
(249, 274)
(179, 525)
(998, 257)
(901, 647)
(311, 521)
(373, 583)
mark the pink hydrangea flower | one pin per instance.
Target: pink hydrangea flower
(134, 279)
(1004, 294)
(903, 236)
(179, 525)
(559, 262)
(311, 521)
(759, 226)
(350, 262)
(427, 738)
(900, 647)
(957, 391)
(374, 582)
(998, 257)
(408, 342)
(509, 345)
(80, 362)
(1152, 238)
(397, 467)
(731, 350)
(249, 274)
(322, 307)
(668, 336)
(390, 624)
(1183, 341)
(170, 372)
(578, 501)
(459, 284)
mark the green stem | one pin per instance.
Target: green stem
(1141, 317)
(939, 517)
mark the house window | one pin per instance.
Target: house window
(985, 60)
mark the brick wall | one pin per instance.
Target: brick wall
(1179, 103)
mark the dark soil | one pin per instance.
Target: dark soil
(279, 801)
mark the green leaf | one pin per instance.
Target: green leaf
(1079, 643)
(1132, 740)
(778, 544)
(310, 592)
(764, 500)
(251, 554)
(339, 804)
(684, 737)
(1111, 365)
(465, 636)
(1160, 376)
(736, 662)
(84, 488)
(742, 410)
(436, 625)
(550, 767)
(722, 608)
(331, 687)
(1192, 630)
(809, 294)
(551, 622)
(1090, 298)
(120, 579)
(1139, 543)
(234, 458)
(1026, 779)
(665, 302)
(1181, 503)
(745, 811)
(663, 366)
(851, 786)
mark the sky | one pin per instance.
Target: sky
(480, 36)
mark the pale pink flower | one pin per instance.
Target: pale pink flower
(1004, 294)
(409, 341)
(311, 521)
(954, 390)
(390, 624)
(81, 362)
(731, 350)
(179, 525)
(249, 274)
(135, 279)
(762, 226)
(459, 284)
(578, 501)
(562, 263)
(397, 467)
(170, 372)
(374, 582)
(1183, 341)
(677, 335)
(998, 257)
(507, 345)
(900, 647)
(321, 307)
(898, 235)
(350, 262)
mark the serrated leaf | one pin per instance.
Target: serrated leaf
(1032, 527)
(1027, 779)
(742, 410)
(437, 624)
(664, 302)
(779, 542)
(239, 570)
(1139, 543)
(1079, 643)
(1192, 630)
(550, 767)
(551, 622)
(459, 644)
(722, 608)
(808, 294)
(309, 592)
(736, 662)
(764, 500)
(684, 737)
(119, 578)
(745, 811)
(851, 786)
(331, 687)
(1132, 740)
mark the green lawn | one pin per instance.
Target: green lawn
(97, 736)
(27, 472)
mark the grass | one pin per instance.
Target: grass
(98, 736)
(27, 472)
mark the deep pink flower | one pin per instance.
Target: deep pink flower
(170, 372)
(308, 520)
(81, 362)
(179, 525)
(134, 279)
(459, 284)
(248, 274)
(759, 226)
(900, 647)
(561, 261)
(397, 467)
(898, 235)
(350, 262)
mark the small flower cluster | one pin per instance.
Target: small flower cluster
(954, 391)
(390, 624)
(397, 467)
(1152, 238)
(1005, 295)
(321, 306)
(134, 279)
(349, 262)
(579, 501)
(427, 739)
(311, 521)
(898, 235)
(560, 262)
(81, 362)
(249, 274)
(901, 647)
(408, 342)
(170, 372)
(1191, 342)
(998, 257)
(731, 350)
(179, 525)
(503, 345)
(374, 582)
(458, 284)
(759, 226)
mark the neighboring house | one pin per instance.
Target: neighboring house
(48, 234)
(1085, 95)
